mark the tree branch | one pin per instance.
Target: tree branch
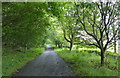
(65, 36)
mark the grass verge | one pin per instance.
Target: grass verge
(87, 63)
(13, 60)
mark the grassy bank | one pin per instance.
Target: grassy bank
(13, 60)
(87, 63)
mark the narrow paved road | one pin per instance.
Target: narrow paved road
(47, 64)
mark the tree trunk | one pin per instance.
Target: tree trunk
(102, 57)
(59, 45)
(114, 45)
(56, 44)
(71, 45)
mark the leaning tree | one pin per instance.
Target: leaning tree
(97, 21)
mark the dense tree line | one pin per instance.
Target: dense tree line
(25, 24)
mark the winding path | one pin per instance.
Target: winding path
(47, 64)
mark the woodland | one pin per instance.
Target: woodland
(84, 34)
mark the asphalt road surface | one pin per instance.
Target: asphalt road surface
(47, 64)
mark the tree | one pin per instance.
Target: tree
(70, 38)
(25, 24)
(69, 31)
(98, 17)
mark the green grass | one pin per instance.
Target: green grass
(87, 63)
(14, 60)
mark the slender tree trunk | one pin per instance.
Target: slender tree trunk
(56, 44)
(71, 45)
(102, 57)
(59, 45)
(114, 45)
